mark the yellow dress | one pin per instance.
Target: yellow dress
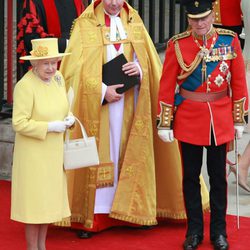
(39, 187)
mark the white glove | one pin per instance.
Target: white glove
(57, 126)
(239, 131)
(243, 34)
(70, 120)
(166, 135)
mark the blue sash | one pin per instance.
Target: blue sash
(195, 79)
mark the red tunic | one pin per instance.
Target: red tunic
(228, 12)
(193, 120)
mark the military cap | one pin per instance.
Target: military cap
(198, 8)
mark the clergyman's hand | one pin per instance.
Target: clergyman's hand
(111, 95)
(131, 69)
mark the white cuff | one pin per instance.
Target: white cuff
(104, 89)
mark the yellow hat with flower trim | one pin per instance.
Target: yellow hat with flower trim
(44, 48)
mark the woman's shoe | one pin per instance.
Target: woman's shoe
(232, 169)
(232, 166)
(244, 186)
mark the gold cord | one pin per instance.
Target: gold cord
(201, 55)
(187, 68)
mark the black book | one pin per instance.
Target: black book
(112, 74)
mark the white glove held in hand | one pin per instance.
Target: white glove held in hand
(166, 135)
(69, 120)
(57, 126)
(239, 131)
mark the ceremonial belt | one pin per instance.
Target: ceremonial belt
(203, 97)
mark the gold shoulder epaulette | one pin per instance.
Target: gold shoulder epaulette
(225, 32)
(181, 36)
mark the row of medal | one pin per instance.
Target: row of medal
(220, 54)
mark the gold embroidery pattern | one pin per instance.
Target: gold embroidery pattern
(130, 171)
(145, 76)
(93, 129)
(72, 27)
(40, 51)
(91, 37)
(239, 112)
(140, 127)
(225, 32)
(166, 116)
(105, 175)
(137, 33)
(133, 219)
(91, 84)
(92, 174)
(180, 36)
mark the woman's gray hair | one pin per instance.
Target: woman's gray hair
(33, 62)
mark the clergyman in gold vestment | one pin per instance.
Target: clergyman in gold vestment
(139, 177)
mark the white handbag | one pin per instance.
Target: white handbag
(80, 153)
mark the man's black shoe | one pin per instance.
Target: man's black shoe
(220, 242)
(84, 234)
(192, 242)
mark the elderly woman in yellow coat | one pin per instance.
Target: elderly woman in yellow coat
(40, 117)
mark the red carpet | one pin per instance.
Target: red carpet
(168, 236)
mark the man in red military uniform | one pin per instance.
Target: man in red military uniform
(228, 15)
(46, 18)
(202, 103)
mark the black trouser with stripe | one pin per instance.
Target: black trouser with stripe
(216, 168)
